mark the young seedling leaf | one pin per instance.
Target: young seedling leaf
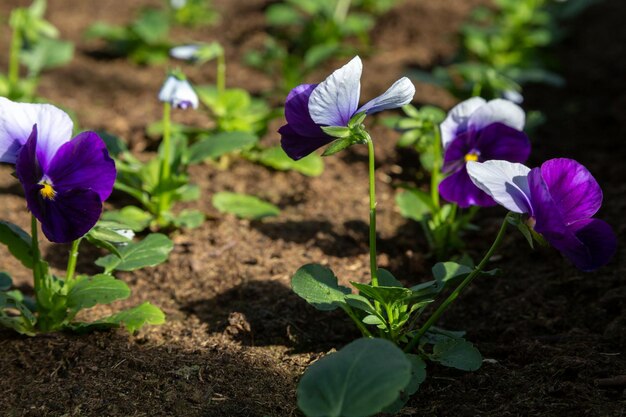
(447, 271)
(99, 289)
(151, 251)
(18, 242)
(414, 204)
(360, 380)
(135, 318)
(216, 145)
(275, 157)
(133, 217)
(384, 295)
(457, 353)
(386, 279)
(318, 286)
(189, 219)
(244, 206)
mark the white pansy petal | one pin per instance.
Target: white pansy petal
(456, 120)
(498, 111)
(54, 128)
(505, 182)
(179, 93)
(184, 52)
(399, 94)
(334, 101)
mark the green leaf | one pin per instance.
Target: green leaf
(338, 146)
(360, 380)
(281, 14)
(244, 206)
(361, 303)
(152, 26)
(447, 271)
(318, 286)
(386, 279)
(133, 217)
(137, 317)
(18, 242)
(189, 219)
(275, 157)
(418, 375)
(385, 295)
(151, 251)
(47, 53)
(414, 204)
(457, 353)
(214, 146)
(337, 131)
(133, 318)
(5, 281)
(99, 289)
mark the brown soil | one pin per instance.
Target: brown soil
(237, 339)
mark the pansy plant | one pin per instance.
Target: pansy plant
(162, 181)
(66, 181)
(34, 44)
(473, 130)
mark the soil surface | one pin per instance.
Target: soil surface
(236, 339)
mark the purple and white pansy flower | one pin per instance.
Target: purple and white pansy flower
(477, 130)
(179, 93)
(65, 180)
(333, 102)
(560, 198)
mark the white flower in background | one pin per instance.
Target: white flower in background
(179, 93)
(185, 52)
(513, 96)
(178, 4)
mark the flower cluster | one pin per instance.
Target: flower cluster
(333, 102)
(560, 199)
(65, 180)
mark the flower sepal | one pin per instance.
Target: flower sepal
(525, 225)
(339, 132)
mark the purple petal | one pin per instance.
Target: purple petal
(297, 111)
(505, 182)
(27, 167)
(16, 124)
(297, 146)
(458, 188)
(69, 216)
(335, 100)
(497, 111)
(572, 187)
(456, 120)
(399, 94)
(84, 162)
(548, 218)
(498, 141)
(454, 155)
(588, 244)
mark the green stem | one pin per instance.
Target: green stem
(14, 60)
(444, 306)
(36, 256)
(435, 176)
(356, 320)
(372, 183)
(71, 261)
(341, 11)
(221, 74)
(167, 156)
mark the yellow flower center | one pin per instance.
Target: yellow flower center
(471, 157)
(47, 191)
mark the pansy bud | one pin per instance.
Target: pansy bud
(179, 93)
(185, 52)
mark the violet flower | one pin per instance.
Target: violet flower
(476, 130)
(65, 180)
(333, 102)
(560, 199)
(179, 93)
